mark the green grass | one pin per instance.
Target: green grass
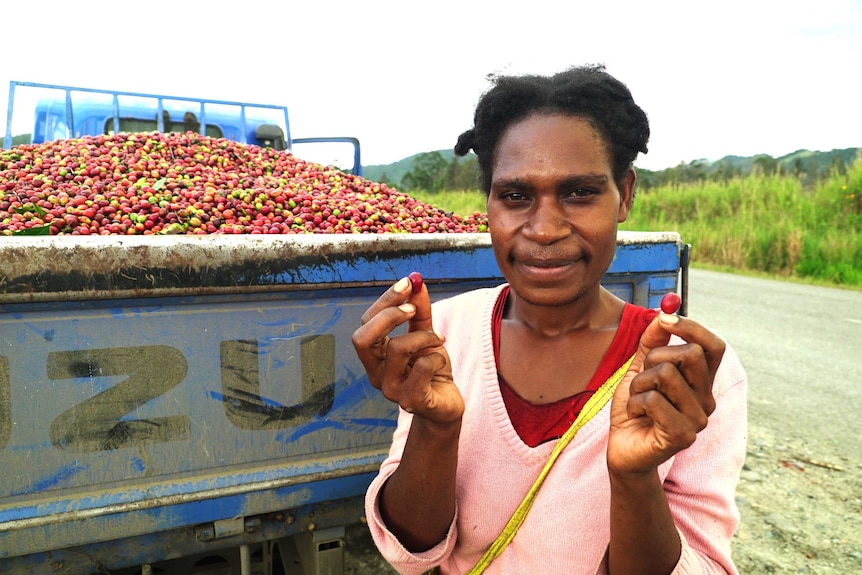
(770, 225)
(460, 202)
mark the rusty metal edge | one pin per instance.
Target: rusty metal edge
(76, 268)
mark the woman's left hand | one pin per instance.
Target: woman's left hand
(665, 398)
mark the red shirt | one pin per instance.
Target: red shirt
(537, 423)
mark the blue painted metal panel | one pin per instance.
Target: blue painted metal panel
(147, 387)
(91, 103)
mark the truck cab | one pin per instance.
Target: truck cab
(39, 113)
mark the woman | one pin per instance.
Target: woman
(489, 381)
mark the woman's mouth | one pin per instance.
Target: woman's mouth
(546, 270)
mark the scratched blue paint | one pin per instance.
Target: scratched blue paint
(280, 323)
(329, 423)
(61, 475)
(36, 330)
(141, 310)
(304, 326)
(277, 363)
(370, 422)
(457, 264)
(362, 425)
(348, 401)
(645, 258)
(97, 500)
(138, 465)
(221, 398)
(181, 514)
(357, 389)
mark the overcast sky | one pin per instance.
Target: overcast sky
(738, 77)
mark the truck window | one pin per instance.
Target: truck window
(143, 125)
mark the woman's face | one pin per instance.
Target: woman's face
(553, 208)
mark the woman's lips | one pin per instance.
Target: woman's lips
(546, 269)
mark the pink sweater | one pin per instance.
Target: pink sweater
(567, 530)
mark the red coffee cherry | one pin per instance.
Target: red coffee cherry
(670, 302)
(415, 282)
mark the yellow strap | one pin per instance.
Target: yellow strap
(591, 408)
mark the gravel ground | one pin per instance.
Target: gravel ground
(360, 555)
(801, 505)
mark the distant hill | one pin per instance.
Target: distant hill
(808, 165)
(811, 163)
(393, 173)
(800, 160)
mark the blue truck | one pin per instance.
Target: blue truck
(38, 113)
(172, 402)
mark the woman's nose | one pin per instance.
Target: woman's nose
(547, 223)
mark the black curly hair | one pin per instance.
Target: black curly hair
(588, 92)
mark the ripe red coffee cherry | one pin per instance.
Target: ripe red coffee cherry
(670, 302)
(415, 282)
(223, 198)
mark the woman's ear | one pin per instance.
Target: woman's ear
(627, 194)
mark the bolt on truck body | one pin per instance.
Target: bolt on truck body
(169, 398)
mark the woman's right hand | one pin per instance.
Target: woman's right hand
(412, 369)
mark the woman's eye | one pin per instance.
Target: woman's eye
(582, 193)
(513, 197)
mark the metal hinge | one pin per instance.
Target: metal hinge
(226, 528)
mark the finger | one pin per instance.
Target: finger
(383, 322)
(402, 355)
(675, 430)
(394, 296)
(688, 363)
(693, 332)
(668, 382)
(415, 394)
(404, 349)
(391, 360)
(370, 339)
(421, 320)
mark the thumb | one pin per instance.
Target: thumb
(655, 335)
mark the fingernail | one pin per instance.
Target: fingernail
(668, 318)
(440, 336)
(407, 307)
(402, 285)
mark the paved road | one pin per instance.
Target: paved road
(802, 349)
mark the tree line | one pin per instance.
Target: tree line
(808, 167)
(433, 172)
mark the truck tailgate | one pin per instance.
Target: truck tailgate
(153, 383)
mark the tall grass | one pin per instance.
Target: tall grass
(765, 223)
(461, 202)
(759, 223)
